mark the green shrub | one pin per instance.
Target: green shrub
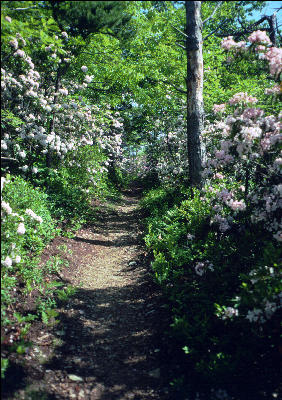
(22, 196)
(158, 200)
(27, 226)
(71, 185)
(213, 281)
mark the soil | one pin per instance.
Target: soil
(107, 344)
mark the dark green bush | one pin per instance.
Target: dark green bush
(73, 184)
(216, 345)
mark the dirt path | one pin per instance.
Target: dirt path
(108, 339)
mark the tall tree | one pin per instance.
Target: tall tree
(194, 82)
(86, 17)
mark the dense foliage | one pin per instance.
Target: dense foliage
(94, 97)
(217, 254)
(61, 152)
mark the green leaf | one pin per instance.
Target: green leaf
(186, 349)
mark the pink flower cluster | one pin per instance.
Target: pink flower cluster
(273, 54)
(260, 48)
(274, 57)
(224, 195)
(219, 108)
(229, 44)
(227, 198)
(33, 215)
(230, 312)
(237, 205)
(252, 113)
(269, 140)
(274, 90)
(251, 132)
(259, 37)
(242, 97)
(222, 222)
(277, 164)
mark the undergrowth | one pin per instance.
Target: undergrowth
(56, 202)
(211, 281)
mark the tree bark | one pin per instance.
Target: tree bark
(194, 82)
(52, 122)
(272, 28)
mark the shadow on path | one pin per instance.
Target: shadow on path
(110, 342)
(107, 343)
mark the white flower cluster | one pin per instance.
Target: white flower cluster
(33, 215)
(8, 262)
(202, 267)
(6, 207)
(21, 229)
(230, 312)
(17, 220)
(65, 124)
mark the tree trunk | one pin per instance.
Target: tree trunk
(52, 122)
(194, 82)
(272, 28)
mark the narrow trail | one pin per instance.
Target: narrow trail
(107, 342)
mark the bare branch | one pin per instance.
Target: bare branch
(20, 9)
(182, 33)
(241, 22)
(249, 29)
(6, 161)
(175, 87)
(217, 28)
(181, 41)
(214, 11)
(181, 46)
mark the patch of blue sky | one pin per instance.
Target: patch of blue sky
(269, 9)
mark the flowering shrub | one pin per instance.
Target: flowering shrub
(267, 52)
(217, 255)
(49, 116)
(62, 144)
(26, 219)
(222, 285)
(73, 122)
(26, 227)
(166, 156)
